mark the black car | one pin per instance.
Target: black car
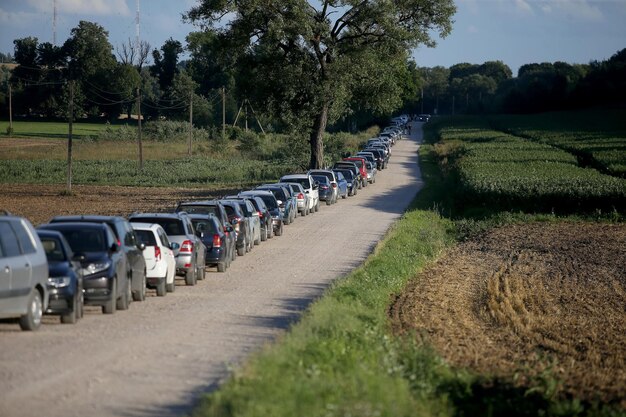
(238, 219)
(65, 277)
(214, 207)
(210, 230)
(130, 246)
(105, 279)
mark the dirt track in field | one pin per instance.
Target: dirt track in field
(524, 299)
(158, 357)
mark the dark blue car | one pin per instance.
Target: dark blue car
(210, 230)
(65, 277)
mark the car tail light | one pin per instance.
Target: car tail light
(324, 187)
(300, 196)
(157, 253)
(260, 214)
(186, 247)
(217, 241)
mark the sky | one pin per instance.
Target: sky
(516, 32)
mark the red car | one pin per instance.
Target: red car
(360, 162)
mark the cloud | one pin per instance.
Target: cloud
(91, 7)
(576, 9)
(523, 7)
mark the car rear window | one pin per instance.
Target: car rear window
(85, 240)
(146, 237)
(204, 226)
(304, 182)
(173, 227)
(269, 202)
(199, 209)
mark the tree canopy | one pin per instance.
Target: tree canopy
(309, 63)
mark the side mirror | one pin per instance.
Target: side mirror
(141, 246)
(114, 247)
(174, 246)
(200, 234)
(229, 229)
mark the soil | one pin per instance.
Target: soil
(528, 303)
(39, 203)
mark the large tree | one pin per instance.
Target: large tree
(307, 62)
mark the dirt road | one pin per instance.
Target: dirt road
(156, 358)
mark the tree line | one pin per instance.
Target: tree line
(538, 87)
(304, 67)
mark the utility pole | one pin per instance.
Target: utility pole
(422, 100)
(139, 144)
(246, 115)
(223, 113)
(190, 122)
(69, 139)
(10, 111)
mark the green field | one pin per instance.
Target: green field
(57, 130)
(597, 138)
(497, 170)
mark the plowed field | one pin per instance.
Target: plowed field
(525, 301)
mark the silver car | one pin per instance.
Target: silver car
(23, 272)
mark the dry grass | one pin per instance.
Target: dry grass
(527, 301)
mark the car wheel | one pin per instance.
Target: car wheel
(344, 196)
(258, 240)
(81, 301)
(72, 316)
(109, 307)
(263, 235)
(241, 251)
(160, 288)
(201, 274)
(124, 301)
(170, 287)
(141, 294)
(32, 319)
(190, 277)
(221, 267)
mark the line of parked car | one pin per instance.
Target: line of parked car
(111, 261)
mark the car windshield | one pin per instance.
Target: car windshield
(85, 240)
(53, 248)
(172, 227)
(146, 237)
(200, 209)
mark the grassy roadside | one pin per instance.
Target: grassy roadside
(340, 358)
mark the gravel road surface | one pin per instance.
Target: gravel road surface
(158, 357)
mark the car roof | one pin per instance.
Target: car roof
(146, 226)
(95, 218)
(299, 176)
(74, 225)
(158, 215)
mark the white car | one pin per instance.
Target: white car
(310, 188)
(159, 256)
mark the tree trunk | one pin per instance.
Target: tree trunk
(317, 139)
